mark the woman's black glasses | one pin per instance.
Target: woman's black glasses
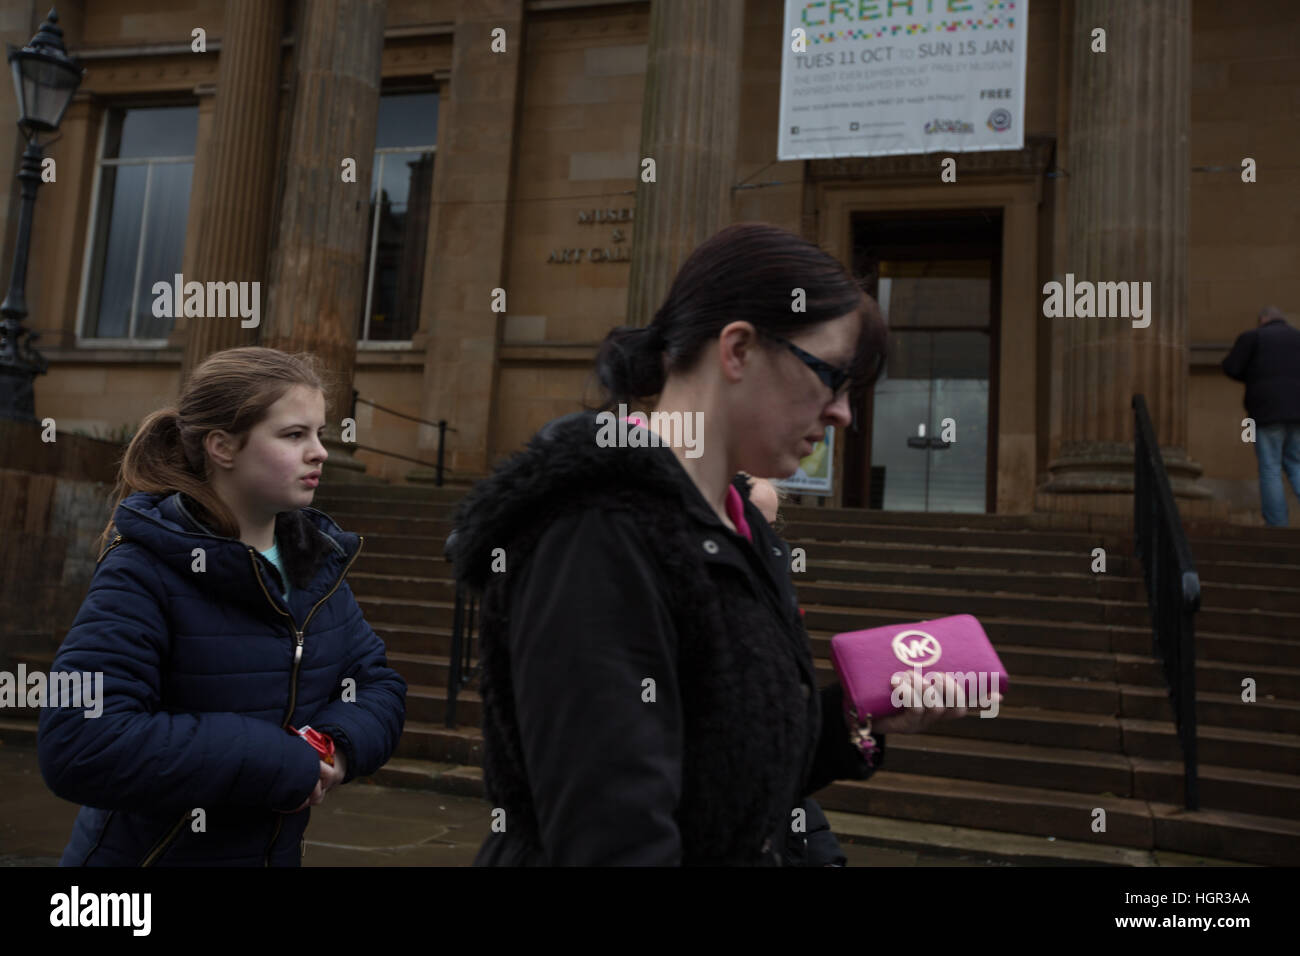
(833, 378)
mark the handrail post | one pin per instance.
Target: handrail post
(443, 428)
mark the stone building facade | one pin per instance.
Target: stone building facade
(517, 169)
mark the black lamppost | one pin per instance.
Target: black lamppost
(45, 78)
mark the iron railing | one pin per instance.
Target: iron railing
(1173, 587)
(441, 424)
(463, 667)
(462, 671)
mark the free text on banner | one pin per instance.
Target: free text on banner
(882, 77)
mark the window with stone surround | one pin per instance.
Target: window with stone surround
(401, 198)
(140, 204)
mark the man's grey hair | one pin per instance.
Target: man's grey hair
(1269, 313)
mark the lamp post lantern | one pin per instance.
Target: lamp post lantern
(45, 78)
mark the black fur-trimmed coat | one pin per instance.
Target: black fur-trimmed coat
(648, 689)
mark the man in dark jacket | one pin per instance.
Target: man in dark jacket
(649, 695)
(1267, 359)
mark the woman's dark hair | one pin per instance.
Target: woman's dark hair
(232, 390)
(747, 271)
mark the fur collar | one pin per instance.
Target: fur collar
(560, 464)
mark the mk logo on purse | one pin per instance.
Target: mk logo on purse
(916, 653)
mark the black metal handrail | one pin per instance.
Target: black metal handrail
(438, 467)
(463, 668)
(1173, 587)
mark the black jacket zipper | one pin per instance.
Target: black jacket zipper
(297, 657)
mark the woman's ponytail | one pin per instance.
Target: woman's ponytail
(630, 363)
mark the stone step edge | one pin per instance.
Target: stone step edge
(1130, 630)
(22, 732)
(822, 666)
(923, 591)
(467, 780)
(1016, 849)
(952, 747)
(1165, 728)
(1205, 732)
(902, 592)
(348, 495)
(858, 829)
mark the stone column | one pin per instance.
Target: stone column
(235, 173)
(1128, 199)
(317, 282)
(689, 120)
(471, 234)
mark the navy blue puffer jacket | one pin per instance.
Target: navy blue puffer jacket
(203, 670)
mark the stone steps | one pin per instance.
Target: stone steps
(1085, 723)
(443, 759)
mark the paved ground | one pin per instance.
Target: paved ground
(358, 825)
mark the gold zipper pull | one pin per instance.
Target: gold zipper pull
(117, 539)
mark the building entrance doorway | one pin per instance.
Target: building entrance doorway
(923, 439)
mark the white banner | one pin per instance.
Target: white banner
(878, 77)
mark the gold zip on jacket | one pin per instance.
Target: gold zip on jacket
(165, 842)
(297, 654)
(161, 847)
(113, 544)
(298, 631)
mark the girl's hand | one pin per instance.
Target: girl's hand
(330, 777)
(317, 795)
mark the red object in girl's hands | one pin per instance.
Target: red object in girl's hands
(323, 744)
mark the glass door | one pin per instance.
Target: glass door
(930, 410)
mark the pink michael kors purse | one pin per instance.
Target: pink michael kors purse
(867, 660)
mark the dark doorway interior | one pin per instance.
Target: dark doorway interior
(924, 439)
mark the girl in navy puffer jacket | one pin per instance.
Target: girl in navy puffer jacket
(221, 622)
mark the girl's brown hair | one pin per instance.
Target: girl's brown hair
(232, 391)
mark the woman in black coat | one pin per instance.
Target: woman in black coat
(814, 844)
(649, 694)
